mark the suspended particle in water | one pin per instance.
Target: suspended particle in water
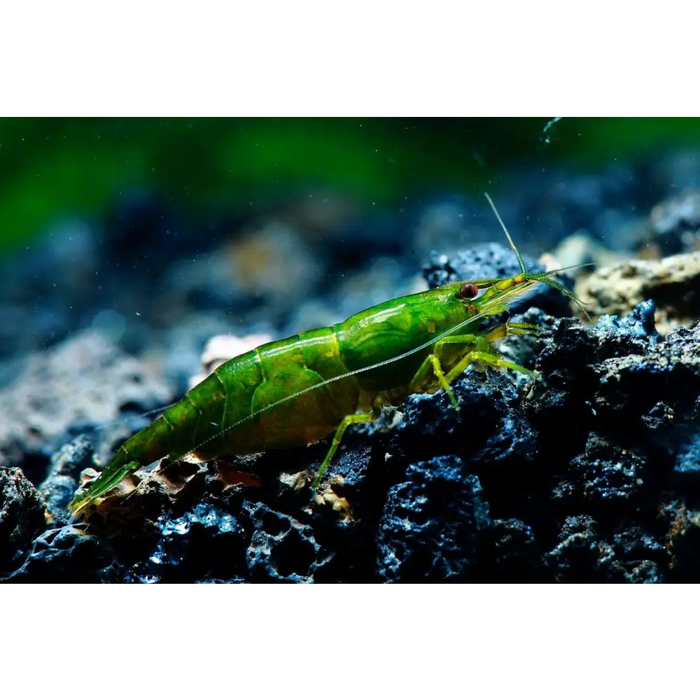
(547, 132)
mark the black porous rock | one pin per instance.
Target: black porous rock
(682, 540)
(613, 375)
(203, 544)
(686, 468)
(582, 554)
(639, 323)
(22, 516)
(64, 474)
(69, 554)
(432, 524)
(488, 433)
(281, 548)
(610, 478)
(511, 553)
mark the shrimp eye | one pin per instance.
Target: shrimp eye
(468, 291)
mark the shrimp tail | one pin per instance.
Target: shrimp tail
(155, 441)
(118, 468)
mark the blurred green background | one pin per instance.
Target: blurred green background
(57, 167)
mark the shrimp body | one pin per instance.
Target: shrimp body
(296, 391)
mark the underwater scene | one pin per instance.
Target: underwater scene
(343, 350)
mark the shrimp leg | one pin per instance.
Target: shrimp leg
(479, 351)
(348, 420)
(432, 363)
(484, 354)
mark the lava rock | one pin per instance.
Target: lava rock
(486, 428)
(205, 544)
(69, 554)
(613, 375)
(512, 554)
(584, 555)
(22, 516)
(218, 580)
(682, 540)
(686, 469)
(432, 524)
(281, 548)
(64, 470)
(639, 323)
(488, 433)
(612, 479)
(660, 415)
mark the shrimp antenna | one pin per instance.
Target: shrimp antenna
(510, 240)
(543, 276)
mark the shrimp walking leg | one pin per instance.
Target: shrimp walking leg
(432, 364)
(348, 420)
(511, 328)
(484, 355)
(478, 350)
(489, 359)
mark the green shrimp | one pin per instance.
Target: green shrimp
(296, 391)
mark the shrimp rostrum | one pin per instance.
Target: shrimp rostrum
(296, 391)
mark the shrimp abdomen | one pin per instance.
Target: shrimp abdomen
(258, 400)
